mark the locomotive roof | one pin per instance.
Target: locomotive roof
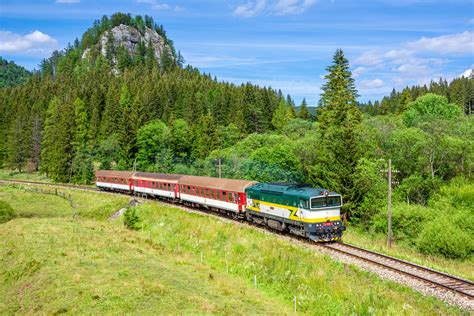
(299, 190)
(216, 183)
(158, 176)
(114, 173)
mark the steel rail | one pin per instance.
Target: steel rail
(450, 282)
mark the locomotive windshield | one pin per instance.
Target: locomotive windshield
(325, 201)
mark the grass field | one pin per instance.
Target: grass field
(15, 175)
(51, 263)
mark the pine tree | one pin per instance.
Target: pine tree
(339, 119)
(304, 113)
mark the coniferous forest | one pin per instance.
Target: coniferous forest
(135, 112)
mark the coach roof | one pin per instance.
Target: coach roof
(216, 183)
(114, 174)
(173, 178)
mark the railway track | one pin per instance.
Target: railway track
(433, 278)
(70, 186)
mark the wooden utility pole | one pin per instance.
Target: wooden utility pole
(219, 166)
(389, 211)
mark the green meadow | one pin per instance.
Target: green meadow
(174, 263)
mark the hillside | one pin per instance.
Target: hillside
(176, 263)
(11, 74)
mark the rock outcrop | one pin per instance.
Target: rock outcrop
(130, 38)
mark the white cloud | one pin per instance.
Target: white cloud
(358, 71)
(454, 43)
(68, 1)
(279, 7)
(414, 69)
(34, 43)
(250, 9)
(369, 58)
(284, 7)
(414, 62)
(371, 84)
(158, 6)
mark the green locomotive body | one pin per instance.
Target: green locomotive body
(310, 212)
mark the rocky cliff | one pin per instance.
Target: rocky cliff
(133, 40)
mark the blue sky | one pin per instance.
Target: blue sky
(285, 44)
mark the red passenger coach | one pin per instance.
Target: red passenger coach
(114, 180)
(217, 193)
(156, 184)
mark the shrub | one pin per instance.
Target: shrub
(131, 219)
(444, 238)
(6, 212)
(407, 221)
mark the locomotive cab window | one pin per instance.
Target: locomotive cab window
(329, 201)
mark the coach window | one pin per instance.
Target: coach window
(224, 196)
(231, 197)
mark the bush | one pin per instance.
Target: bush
(6, 212)
(444, 238)
(131, 219)
(407, 221)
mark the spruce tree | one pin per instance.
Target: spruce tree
(48, 137)
(339, 93)
(304, 113)
(57, 151)
(405, 98)
(82, 163)
(281, 116)
(205, 137)
(339, 119)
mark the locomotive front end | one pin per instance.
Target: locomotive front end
(322, 216)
